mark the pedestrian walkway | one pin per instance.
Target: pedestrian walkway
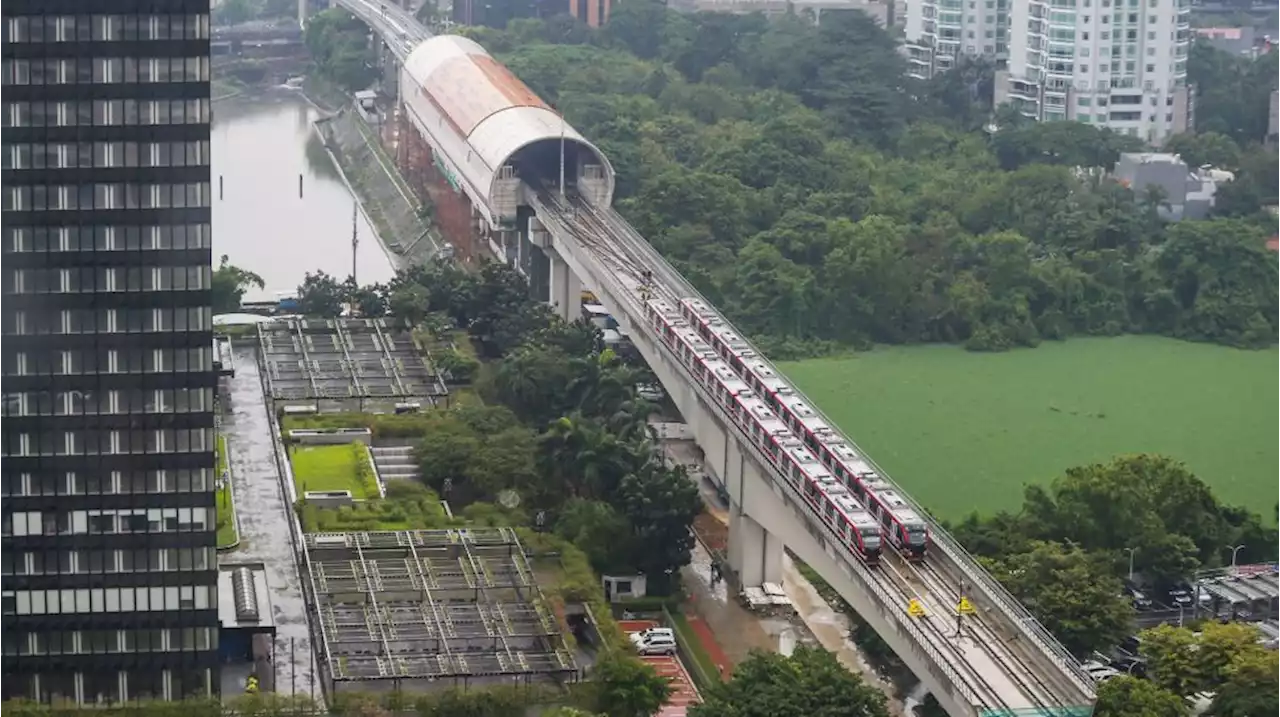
(683, 693)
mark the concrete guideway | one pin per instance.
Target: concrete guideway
(968, 678)
(1011, 664)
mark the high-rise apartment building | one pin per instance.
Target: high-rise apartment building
(1121, 64)
(109, 585)
(939, 32)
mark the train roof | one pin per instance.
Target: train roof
(801, 455)
(700, 308)
(667, 311)
(844, 452)
(830, 484)
(761, 412)
(730, 337)
(768, 376)
(727, 377)
(807, 415)
(900, 508)
(854, 511)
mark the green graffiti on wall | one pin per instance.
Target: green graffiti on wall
(450, 176)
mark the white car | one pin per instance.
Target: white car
(654, 641)
(1100, 672)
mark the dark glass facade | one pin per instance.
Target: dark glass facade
(109, 585)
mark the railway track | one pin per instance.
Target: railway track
(628, 258)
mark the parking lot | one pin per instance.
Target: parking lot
(683, 693)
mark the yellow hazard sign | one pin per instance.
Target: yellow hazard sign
(915, 609)
(964, 607)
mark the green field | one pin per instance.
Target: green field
(227, 530)
(964, 431)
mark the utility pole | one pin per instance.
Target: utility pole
(355, 239)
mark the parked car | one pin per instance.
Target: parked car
(1139, 599)
(1180, 596)
(1100, 672)
(654, 641)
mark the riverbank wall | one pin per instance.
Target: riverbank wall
(386, 198)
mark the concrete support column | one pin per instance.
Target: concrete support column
(754, 554)
(566, 288)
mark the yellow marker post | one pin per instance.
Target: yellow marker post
(915, 609)
(964, 607)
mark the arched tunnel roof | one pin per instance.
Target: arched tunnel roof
(481, 105)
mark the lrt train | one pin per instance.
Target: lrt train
(906, 529)
(826, 494)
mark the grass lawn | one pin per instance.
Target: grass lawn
(964, 431)
(227, 533)
(332, 468)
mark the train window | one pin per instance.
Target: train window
(886, 520)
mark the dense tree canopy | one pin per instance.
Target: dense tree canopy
(785, 168)
(564, 427)
(810, 682)
(1223, 660)
(1066, 551)
(340, 47)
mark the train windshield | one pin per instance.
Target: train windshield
(915, 534)
(871, 538)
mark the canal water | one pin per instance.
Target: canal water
(260, 145)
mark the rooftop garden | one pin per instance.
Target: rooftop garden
(325, 468)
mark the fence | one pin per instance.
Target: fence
(688, 656)
(390, 205)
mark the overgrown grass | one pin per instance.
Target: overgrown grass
(227, 532)
(343, 467)
(965, 431)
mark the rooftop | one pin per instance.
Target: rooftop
(432, 605)
(307, 361)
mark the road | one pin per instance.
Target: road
(264, 530)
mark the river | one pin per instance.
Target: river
(260, 145)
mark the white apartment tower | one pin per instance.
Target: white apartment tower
(939, 31)
(1121, 64)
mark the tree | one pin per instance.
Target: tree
(627, 687)
(1250, 687)
(340, 47)
(320, 295)
(229, 285)
(1222, 658)
(1206, 148)
(595, 527)
(810, 682)
(1150, 504)
(233, 12)
(660, 504)
(1072, 593)
(1126, 696)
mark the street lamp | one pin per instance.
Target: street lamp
(1132, 552)
(1235, 550)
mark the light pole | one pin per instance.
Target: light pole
(1235, 550)
(1132, 552)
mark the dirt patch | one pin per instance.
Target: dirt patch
(712, 532)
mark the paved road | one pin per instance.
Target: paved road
(264, 531)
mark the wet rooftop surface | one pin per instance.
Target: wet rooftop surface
(264, 529)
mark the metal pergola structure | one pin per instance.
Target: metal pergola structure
(436, 606)
(345, 362)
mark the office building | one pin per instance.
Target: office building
(1120, 64)
(109, 575)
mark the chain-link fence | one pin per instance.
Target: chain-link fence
(391, 206)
